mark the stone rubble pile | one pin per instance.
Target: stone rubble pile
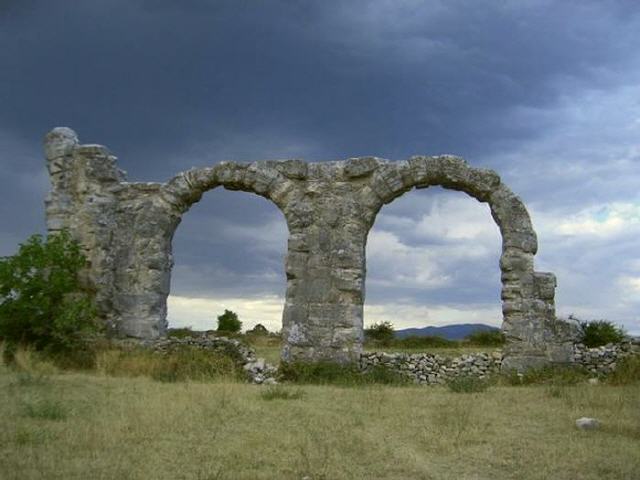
(258, 371)
(603, 360)
(430, 369)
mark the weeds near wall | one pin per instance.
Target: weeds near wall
(181, 365)
(324, 373)
(627, 371)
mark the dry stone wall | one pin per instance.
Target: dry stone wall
(127, 230)
(434, 369)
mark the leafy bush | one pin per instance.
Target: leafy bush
(381, 332)
(486, 338)
(325, 372)
(229, 322)
(41, 300)
(467, 384)
(600, 332)
(279, 392)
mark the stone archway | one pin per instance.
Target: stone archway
(127, 228)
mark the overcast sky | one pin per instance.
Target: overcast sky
(547, 93)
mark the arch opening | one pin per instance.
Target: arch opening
(433, 260)
(228, 253)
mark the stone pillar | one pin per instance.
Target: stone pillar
(143, 260)
(325, 268)
(85, 182)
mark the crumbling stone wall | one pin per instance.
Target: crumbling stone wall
(127, 229)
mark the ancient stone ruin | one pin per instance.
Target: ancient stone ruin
(127, 228)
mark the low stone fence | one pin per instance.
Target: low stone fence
(258, 371)
(603, 360)
(430, 369)
(422, 368)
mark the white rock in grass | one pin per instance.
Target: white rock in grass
(586, 423)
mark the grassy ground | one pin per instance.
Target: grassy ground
(80, 426)
(267, 347)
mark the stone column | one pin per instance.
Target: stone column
(85, 182)
(325, 268)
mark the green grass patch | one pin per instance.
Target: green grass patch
(44, 409)
(467, 384)
(28, 379)
(552, 375)
(279, 392)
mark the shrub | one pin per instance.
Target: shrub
(381, 332)
(41, 300)
(467, 384)
(486, 338)
(600, 332)
(229, 322)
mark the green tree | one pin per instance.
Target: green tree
(229, 322)
(381, 332)
(41, 301)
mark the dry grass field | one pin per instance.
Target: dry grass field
(64, 425)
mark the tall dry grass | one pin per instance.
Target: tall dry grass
(78, 426)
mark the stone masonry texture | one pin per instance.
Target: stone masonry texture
(127, 228)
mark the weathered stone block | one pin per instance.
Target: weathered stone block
(359, 167)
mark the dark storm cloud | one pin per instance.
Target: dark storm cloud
(150, 78)
(168, 85)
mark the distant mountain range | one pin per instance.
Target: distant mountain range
(450, 332)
